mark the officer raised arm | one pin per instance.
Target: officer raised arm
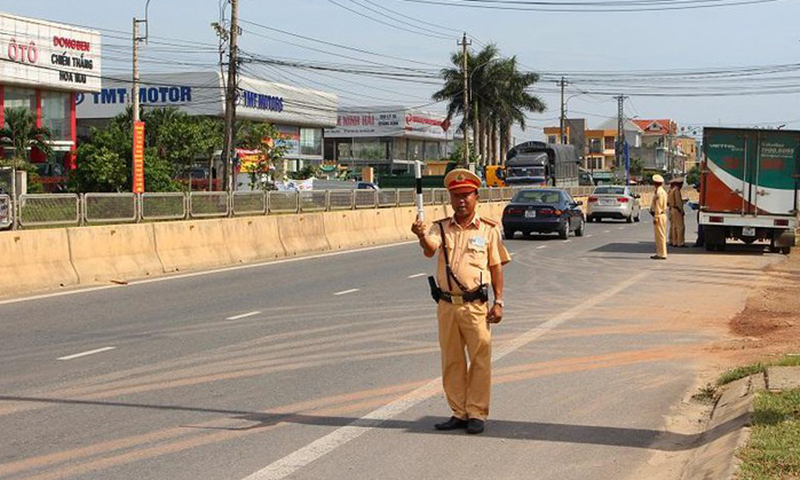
(471, 252)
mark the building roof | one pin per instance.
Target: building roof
(611, 124)
(663, 125)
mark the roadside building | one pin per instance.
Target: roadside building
(45, 67)
(299, 114)
(389, 139)
(689, 151)
(597, 146)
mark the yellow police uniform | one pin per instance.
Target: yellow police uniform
(677, 226)
(658, 208)
(472, 251)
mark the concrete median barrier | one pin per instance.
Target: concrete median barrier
(404, 217)
(303, 234)
(115, 252)
(253, 239)
(349, 229)
(192, 245)
(35, 260)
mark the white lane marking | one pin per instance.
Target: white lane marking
(621, 228)
(315, 450)
(352, 290)
(589, 236)
(417, 275)
(83, 354)
(541, 247)
(202, 273)
(244, 315)
(606, 231)
(512, 254)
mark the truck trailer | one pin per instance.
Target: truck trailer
(749, 187)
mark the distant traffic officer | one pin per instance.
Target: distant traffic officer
(471, 256)
(677, 224)
(658, 209)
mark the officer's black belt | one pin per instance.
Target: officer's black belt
(462, 299)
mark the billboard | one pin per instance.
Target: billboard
(40, 54)
(203, 93)
(390, 122)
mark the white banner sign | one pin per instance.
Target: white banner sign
(40, 54)
(399, 122)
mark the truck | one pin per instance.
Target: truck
(542, 164)
(748, 190)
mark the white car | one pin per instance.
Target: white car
(613, 201)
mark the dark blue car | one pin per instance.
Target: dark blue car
(543, 211)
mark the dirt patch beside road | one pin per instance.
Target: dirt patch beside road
(769, 325)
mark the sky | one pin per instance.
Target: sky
(547, 42)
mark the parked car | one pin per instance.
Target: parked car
(613, 201)
(543, 211)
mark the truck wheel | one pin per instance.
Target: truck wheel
(710, 247)
(638, 217)
(786, 250)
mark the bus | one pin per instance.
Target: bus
(542, 164)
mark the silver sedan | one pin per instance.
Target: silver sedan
(612, 201)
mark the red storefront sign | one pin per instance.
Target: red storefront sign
(138, 157)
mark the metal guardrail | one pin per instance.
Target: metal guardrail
(6, 212)
(163, 206)
(110, 208)
(284, 202)
(51, 209)
(249, 203)
(103, 208)
(340, 199)
(209, 204)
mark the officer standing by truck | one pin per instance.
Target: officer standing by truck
(677, 224)
(471, 253)
(658, 209)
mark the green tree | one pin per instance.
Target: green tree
(20, 133)
(500, 98)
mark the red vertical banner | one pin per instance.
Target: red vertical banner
(138, 157)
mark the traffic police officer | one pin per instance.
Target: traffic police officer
(677, 226)
(658, 209)
(476, 255)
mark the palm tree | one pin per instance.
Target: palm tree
(20, 133)
(499, 98)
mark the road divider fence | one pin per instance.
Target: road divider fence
(54, 210)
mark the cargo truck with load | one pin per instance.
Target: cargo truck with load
(749, 187)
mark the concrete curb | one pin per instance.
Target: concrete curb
(728, 430)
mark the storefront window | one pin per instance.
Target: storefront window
(344, 151)
(400, 149)
(432, 151)
(290, 137)
(311, 141)
(369, 149)
(56, 114)
(415, 150)
(20, 98)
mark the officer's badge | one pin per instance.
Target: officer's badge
(460, 177)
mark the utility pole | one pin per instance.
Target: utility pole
(137, 130)
(464, 44)
(228, 147)
(620, 126)
(562, 134)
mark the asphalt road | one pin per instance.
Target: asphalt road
(328, 367)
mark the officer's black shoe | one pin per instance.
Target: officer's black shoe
(453, 424)
(475, 426)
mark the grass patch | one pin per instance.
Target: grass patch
(746, 371)
(706, 394)
(773, 452)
